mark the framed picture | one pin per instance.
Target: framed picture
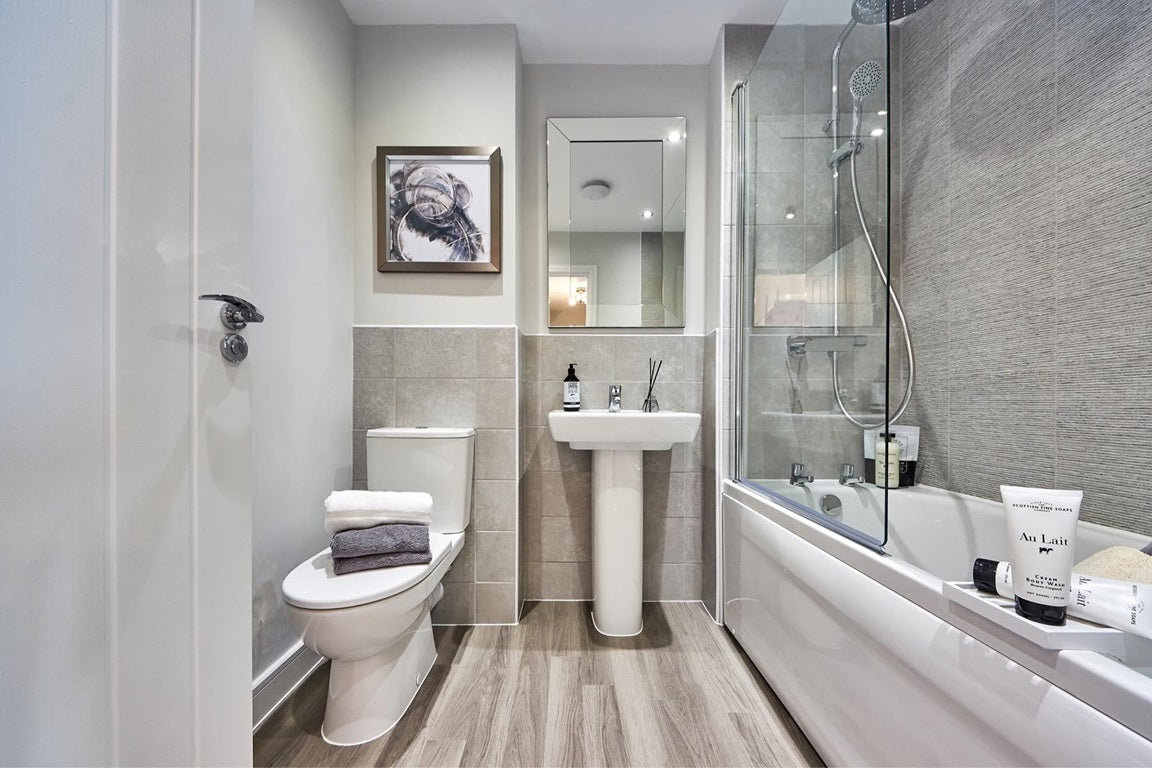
(438, 209)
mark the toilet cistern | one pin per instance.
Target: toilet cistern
(618, 441)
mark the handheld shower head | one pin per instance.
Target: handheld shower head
(865, 80)
(880, 11)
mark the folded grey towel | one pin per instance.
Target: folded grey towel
(381, 540)
(343, 565)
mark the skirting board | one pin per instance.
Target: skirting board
(273, 688)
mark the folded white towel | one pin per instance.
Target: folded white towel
(348, 510)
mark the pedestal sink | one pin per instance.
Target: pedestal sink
(618, 442)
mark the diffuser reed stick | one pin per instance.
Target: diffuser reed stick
(650, 403)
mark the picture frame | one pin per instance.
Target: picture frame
(438, 209)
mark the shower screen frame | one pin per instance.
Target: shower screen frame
(744, 259)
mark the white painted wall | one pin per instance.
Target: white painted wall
(717, 181)
(614, 91)
(616, 256)
(302, 250)
(124, 438)
(53, 484)
(434, 86)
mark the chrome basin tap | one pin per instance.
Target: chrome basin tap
(798, 477)
(848, 475)
(613, 398)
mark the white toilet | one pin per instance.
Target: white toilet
(375, 625)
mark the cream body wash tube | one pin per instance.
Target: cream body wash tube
(1117, 604)
(1042, 534)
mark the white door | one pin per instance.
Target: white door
(124, 436)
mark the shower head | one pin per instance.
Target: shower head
(865, 80)
(880, 11)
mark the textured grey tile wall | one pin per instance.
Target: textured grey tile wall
(556, 482)
(1027, 223)
(453, 377)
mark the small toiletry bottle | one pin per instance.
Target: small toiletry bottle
(571, 389)
(887, 461)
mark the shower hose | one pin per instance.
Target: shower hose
(899, 313)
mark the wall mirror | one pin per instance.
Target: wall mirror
(616, 222)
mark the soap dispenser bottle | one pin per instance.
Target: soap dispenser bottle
(571, 389)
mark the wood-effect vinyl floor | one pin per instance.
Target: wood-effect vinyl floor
(554, 692)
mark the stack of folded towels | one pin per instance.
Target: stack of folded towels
(377, 529)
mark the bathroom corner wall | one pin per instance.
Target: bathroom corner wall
(556, 481)
(1027, 219)
(301, 358)
(453, 377)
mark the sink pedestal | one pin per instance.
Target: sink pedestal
(617, 542)
(618, 441)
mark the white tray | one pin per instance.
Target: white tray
(1076, 634)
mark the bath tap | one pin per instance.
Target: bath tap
(798, 477)
(848, 475)
(613, 398)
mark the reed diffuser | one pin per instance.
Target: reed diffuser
(650, 404)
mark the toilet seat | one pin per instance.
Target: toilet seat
(315, 586)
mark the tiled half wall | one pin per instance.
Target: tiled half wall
(452, 377)
(556, 482)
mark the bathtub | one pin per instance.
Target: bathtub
(879, 668)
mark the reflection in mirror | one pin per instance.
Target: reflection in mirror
(616, 222)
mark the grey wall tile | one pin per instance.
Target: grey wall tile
(671, 581)
(530, 580)
(496, 403)
(496, 454)
(566, 494)
(566, 581)
(435, 353)
(565, 539)
(436, 402)
(681, 356)
(359, 454)
(594, 356)
(494, 505)
(496, 603)
(496, 353)
(372, 352)
(495, 555)
(373, 403)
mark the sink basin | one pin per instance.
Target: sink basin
(618, 442)
(599, 430)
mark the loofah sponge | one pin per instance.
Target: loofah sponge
(1120, 563)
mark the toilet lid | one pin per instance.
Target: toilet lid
(312, 584)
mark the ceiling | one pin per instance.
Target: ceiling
(590, 31)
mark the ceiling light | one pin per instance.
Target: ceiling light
(882, 112)
(790, 213)
(675, 136)
(596, 189)
(646, 213)
(877, 132)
